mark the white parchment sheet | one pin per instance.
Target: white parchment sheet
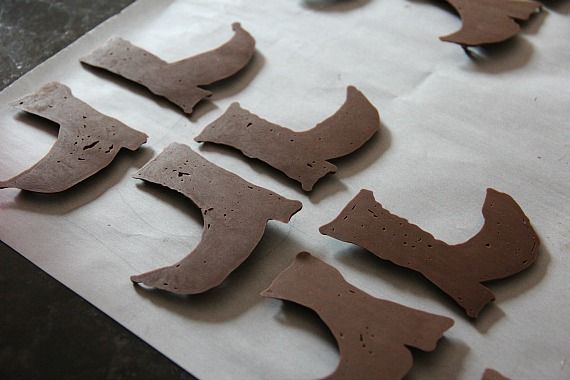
(451, 127)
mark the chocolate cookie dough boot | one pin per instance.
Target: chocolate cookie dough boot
(506, 245)
(87, 141)
(235, 215)
(489, 21)
(373, 335)
(491, 374)
(302, 156)
(179, 81)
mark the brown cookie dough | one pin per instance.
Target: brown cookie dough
(506, 245)
(372, 334)
(87, 141)
(491, 374)
(489, 21)
(302, 156)
(179, 81)
(235, 215)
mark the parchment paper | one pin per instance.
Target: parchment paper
(452, 126)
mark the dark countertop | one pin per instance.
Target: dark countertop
(46, 330)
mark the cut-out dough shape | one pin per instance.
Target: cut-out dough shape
(489, 21)
(506, 245)
(179, 81)
(87, 141)
(302, 156)
(372, 334)
(491, 374)
(235, 215)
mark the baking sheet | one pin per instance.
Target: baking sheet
(451, 127)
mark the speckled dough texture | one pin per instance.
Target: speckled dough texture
(235, 215)
(87, 141)
(489, 21)
(302, 156)
(506, 245)
(179, 81)
(372, 334)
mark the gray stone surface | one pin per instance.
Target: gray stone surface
(46, 330)
(33, 30)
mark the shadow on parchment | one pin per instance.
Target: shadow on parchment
(231, 86)
(557, 6)
(501, 57)
(295, 316)
(41, 124)
(445, 362)
(533, 24)
(334, 5)
(240, 291)
(354, 163)
(367, 155)
(511, 287)
(84, 192)
(228, 87)
(221, 89)
(443, 5)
